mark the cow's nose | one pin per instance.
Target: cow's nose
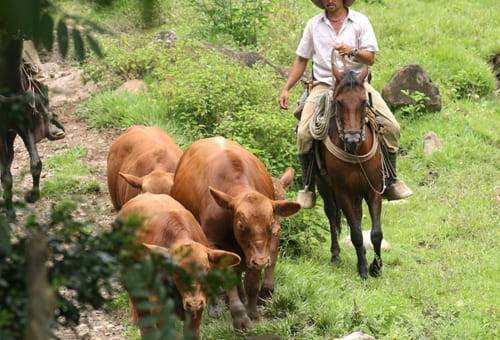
(260, 262)
(194, 305)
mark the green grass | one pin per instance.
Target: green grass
(71, 176)
(440, 280)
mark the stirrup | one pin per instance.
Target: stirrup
(306, 198)
(398, 190)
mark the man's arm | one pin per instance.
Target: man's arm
(364, 56)
(298, 68)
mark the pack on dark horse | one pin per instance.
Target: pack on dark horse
(17, 118)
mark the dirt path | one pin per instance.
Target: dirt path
(67, 91)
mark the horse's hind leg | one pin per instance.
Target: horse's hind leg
(352, 208)
(35, 165)
(374, 202)
(332, 211)
(6, 158)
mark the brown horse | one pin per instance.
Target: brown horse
(346, 184)
(16, 118)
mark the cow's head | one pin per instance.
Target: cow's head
(254, 222)
(156, 182)
(196, 259)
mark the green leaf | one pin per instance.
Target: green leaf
(62, 37)
(46, 31)
(79, 46)
(94, 45)
(148, 321)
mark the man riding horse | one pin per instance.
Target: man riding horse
(351, 34)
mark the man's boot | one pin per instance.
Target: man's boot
(396, 189)
(307, 196)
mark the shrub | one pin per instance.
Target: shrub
(240, 19)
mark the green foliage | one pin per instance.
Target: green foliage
(417, 108)
(72, 175)
(240, 19)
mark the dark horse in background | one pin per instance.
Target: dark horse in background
(345, 184)
(16, 118)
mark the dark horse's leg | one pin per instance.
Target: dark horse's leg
(374, 202)
(352, 208)
(332, 211)
(35, 163)
(6, 158)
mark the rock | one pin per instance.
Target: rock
(134, 86)
(495, 62)
(367, 242)
(357, 336)
(166, 39)
(412, 78)
(431, 143)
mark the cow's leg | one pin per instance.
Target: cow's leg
(252, 284)
(6, 158)
(192, 327)
(374, 202)
(241, 321)
(352, 208)
(332, 211)
(267, 289)
(35, 164)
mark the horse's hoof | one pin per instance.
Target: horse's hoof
(363, 274)
(335, 259)
(265, 294)
(375, 269)
(10, 214)
(254, 315)
(32, 196)
(242, 323)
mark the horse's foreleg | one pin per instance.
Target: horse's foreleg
(332, 212)
(374, 202)
(352, 209)
(35, 165)
(6, 158)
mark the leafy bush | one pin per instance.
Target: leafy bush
(240, 19)
(416, 109)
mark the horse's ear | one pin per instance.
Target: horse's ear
(335, 71)
(362, 75)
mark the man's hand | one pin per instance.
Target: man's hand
(284, 99)
(344, 49)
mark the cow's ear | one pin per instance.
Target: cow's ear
(157, 249)
(223, 259)
(287, 177)
(134, 181)
(224, 200)
(285, 208)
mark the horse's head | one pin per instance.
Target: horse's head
(350, 105)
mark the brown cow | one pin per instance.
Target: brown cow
(143, 159)
(231, 193)
(166, 226)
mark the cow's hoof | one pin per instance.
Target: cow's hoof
(32, 196)
(242, 323)
(375, 269)
(265, 294)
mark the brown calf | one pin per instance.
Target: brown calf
(232, 195)
(166, 226)
(143, 159)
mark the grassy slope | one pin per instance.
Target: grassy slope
(441, 277)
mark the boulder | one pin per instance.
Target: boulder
(412, 78)
(432, 143)
(166, 39)
(495, 62)
(367, 242)
(357, 336)
(134, 86)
